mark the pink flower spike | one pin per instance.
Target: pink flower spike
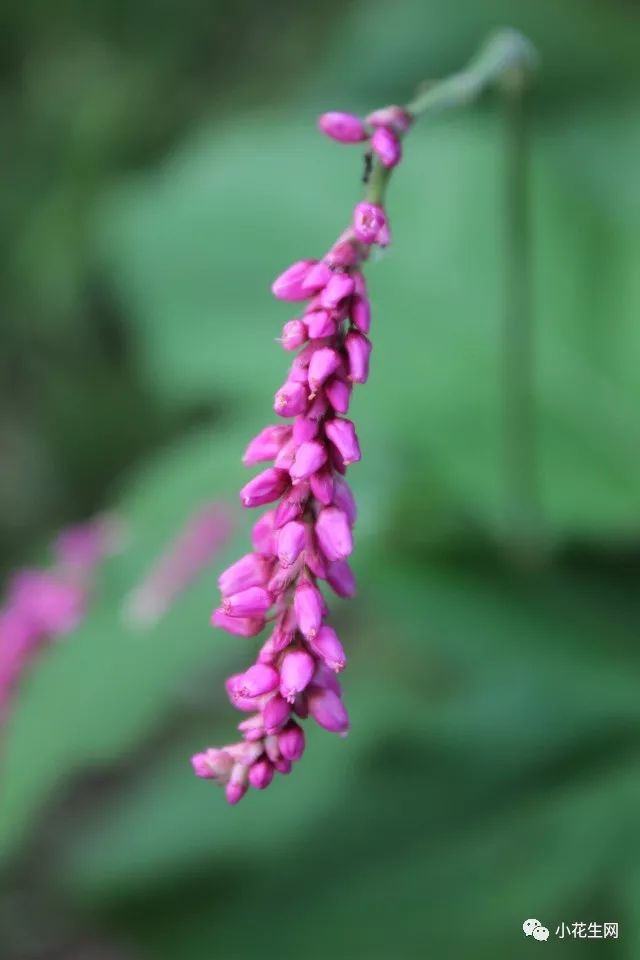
(343, 127)
(294, 334)
(370, 223)
(342, 434)
(249, 571)
(360, 313)
(290, 399)
(291, 542)
(324, 362)
(265, 487)
(334, 533)
(289, 285)
(358, 349)
(260, 774)
(248, 603)
(296, 670)
(327, 646)
(341, 579)
(317, 278)
(386, 145)
(266, 445)
(275, 714)
(291, 741)
(308, 605)
(256, 681)
(310, 456)
(240, 626)
(340, 286)
(328, 710)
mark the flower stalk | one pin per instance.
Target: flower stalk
(307, 533)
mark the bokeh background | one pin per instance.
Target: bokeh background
(160, 165)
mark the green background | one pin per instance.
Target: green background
(160, 165)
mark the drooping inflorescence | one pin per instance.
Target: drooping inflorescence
(306, 536)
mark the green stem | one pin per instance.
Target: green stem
(505, 53)
(519, 411)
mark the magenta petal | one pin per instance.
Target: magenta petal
(343, 127)
(328, 710)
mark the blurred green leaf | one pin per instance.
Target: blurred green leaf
(98, 693)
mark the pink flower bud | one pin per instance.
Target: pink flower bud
(308, 605)
(310, 456)
(275, 714)
(386, 145)
(344, 252)
(318, 408)
(266, 445)
(271, 747)
(342, 434)
(265, 487)
(296, 671)
(341, 579)
(291, 542)
(247, 603)
(303, 430)
(235, 790)
(283, 765)
(294, 334)
(340, 286)
(256, 681)
(292, 504)
(328, 710)
(317, 278)
(322, 485)
(212, 764)
(320, 323)
(343, 127)
(327, 646)
(370, 224)
(324, 362)
(344, 499)
(252, 728)
(396, 118)
(260, 774)
(290, 399)
(262, 534)
(285, 456)
(358, 350)
(289, 285)
(249, 571)
(334, 533)
(360, 313)
(240, 626)
(291, 741)
(338, 393)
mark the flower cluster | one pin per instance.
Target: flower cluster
(307, 536)
(203, 535)
(385, 130)
(42, 605)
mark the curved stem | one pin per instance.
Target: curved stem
(507, 53)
